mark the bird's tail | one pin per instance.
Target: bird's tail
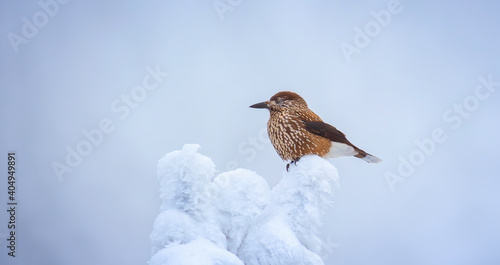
(367, 157)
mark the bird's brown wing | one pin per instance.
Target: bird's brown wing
(326, 130)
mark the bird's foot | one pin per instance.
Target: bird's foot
(293, 162)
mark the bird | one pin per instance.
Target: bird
(296, 131)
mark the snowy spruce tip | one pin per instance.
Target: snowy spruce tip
(235, 218)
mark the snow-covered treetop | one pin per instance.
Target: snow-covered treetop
(235, 218)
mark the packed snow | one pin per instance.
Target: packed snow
(234, 218)
(240, 197)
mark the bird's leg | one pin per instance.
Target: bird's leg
(292, 162)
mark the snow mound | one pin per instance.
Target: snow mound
(196, 252)
(286, 232)
(240, 196)
(235, 217)
(186, 212)
(184, 176)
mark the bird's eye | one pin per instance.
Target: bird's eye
(279, 101)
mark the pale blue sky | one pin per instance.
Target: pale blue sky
(66, 78)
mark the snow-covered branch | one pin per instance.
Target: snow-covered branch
(234, 217)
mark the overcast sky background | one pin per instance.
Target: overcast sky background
(430, 56)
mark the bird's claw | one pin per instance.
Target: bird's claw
(292, 162)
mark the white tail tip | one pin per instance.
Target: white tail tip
(371, 159)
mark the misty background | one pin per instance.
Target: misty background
(71, 73)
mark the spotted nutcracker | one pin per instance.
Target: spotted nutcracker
(295, 131)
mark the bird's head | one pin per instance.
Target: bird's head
(282, 101)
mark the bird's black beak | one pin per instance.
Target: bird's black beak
(262, 105)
